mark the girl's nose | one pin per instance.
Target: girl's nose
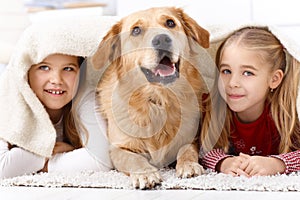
(56, 78)
(234, 81)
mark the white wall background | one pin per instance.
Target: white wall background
(282, 13)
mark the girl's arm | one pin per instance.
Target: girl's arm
(291, 161)
(212, 158)
(76, 160)
(17, 161)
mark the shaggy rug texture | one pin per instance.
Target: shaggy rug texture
(117, 180)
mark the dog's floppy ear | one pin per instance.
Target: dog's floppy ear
(109, 48)
(193, 30)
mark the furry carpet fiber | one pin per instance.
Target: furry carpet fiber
(116, 180)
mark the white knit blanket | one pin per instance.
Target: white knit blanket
(116, 180)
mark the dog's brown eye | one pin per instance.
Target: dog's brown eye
(136, 31)
(170, 23)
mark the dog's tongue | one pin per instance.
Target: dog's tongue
(165, 67)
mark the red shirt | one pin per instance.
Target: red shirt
(260, 137)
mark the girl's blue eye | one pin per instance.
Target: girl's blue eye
(226, 71)
(247, 73)
(44, 67)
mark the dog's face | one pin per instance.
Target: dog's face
(155, 41)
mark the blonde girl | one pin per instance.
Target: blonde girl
(251, 126)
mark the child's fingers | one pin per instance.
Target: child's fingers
(243, 155)
(248, 167)
(241, 172)
(232, 173)
(244, 163)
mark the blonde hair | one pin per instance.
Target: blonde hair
(70, 130)
(71, 121)
(216, 124)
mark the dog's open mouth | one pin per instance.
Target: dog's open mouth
(165, 72)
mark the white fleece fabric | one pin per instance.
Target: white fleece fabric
(23, 120)
(220, 32)
(117, 180)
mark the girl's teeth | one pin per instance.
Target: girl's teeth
(55, 92)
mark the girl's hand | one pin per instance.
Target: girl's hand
(61, 147)
(231, 165)
(261, 165)
(45, 168)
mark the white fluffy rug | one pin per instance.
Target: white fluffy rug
(116, 180)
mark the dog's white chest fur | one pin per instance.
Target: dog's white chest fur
(128, 125)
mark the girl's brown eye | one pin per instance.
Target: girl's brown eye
(136, 31)
(170, 23)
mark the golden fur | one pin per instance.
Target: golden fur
(152, 119)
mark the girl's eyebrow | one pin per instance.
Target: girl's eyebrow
(43, 63)
(249, 67)
(65, 64)
(223, 65)
(74, 64)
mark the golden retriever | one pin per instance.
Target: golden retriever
(150, 93)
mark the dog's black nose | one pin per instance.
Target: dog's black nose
(162, 42)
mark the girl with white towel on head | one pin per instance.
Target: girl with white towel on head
(47, 120)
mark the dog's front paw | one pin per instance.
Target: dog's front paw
(145, 180)
(189, 169)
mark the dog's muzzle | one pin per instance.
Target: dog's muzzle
(166, 71)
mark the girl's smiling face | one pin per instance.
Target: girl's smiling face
(244, 81)
(55, 80)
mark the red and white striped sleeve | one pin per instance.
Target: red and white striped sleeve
(291, 161)
(213, 157)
